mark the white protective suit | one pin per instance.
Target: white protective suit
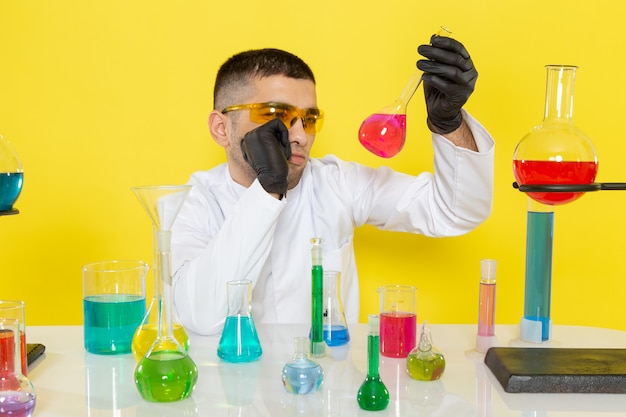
(226, 232)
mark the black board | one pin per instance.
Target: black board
(558, 370)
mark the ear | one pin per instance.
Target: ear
(219, 126)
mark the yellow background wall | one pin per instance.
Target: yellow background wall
(100, 96)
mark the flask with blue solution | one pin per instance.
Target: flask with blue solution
(239, 341)
(335, 327)
(301, 375)
(11, 177)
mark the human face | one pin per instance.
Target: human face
(295, 92)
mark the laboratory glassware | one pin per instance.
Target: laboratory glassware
(425, 362)
(397, 320)
(335, 326)
(147, 331)
(486, 336)
(114, 302)
(11, 177)
(17, 395)
(556, 152)
(384, 132)
(166, 372)
(301, 375)
(15, 310)
(318, 346)
(239, 341)
(536, 325)
(373, 394)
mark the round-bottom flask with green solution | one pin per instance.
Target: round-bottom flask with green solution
(373, 394)
(166, 373)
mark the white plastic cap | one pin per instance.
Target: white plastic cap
(374, 324)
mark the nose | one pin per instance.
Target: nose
(296, 132)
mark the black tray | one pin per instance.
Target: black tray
(558, 370)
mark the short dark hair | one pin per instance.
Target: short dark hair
(241, 68)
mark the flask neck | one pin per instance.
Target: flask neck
(239, 293)
(300, 348)
(373, 358)
(406, 95)
(7, 352)
(559, 103)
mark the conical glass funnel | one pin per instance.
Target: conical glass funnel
(166, 372)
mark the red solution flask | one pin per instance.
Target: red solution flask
(384, 132)
(556, 152)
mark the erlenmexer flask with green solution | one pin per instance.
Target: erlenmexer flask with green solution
(166, 372)
(147, 332)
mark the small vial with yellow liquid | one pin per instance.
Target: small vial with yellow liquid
(425, 362)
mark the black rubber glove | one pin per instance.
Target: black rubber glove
(267, 150)
(449, 79)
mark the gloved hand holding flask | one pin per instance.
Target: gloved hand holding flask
(449, 79)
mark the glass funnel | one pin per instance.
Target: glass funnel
(11, 177)
(166, 372)
(556, 152)
(17, 395)
(384, 132)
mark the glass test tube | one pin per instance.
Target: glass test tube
(318, 346)
(487, 298)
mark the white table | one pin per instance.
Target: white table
(71, 382)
